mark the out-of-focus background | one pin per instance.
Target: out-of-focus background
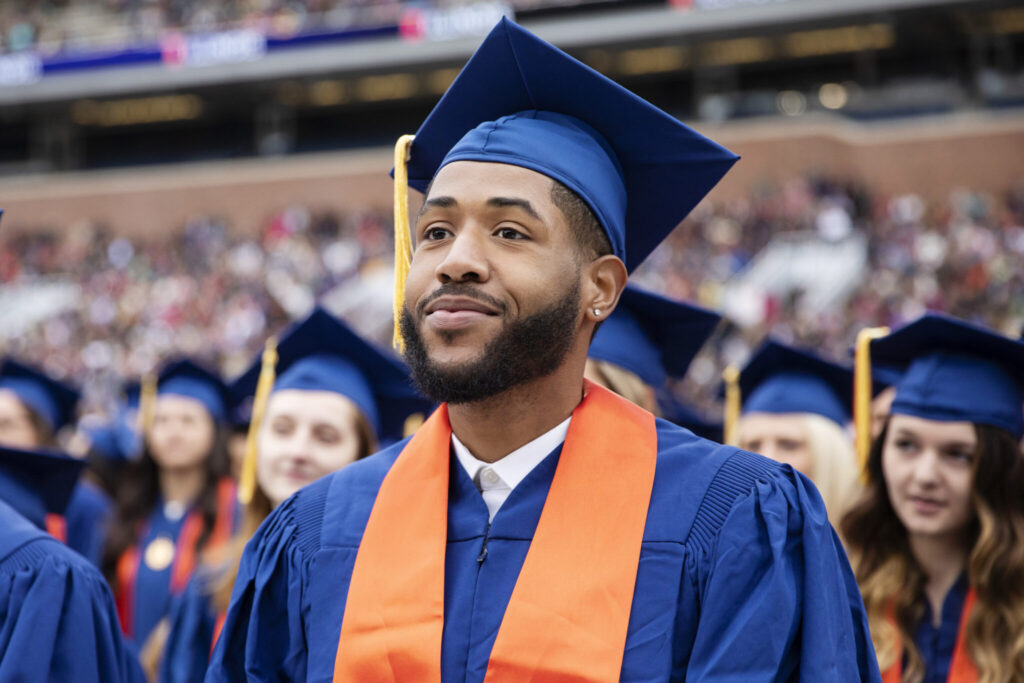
(186, 176)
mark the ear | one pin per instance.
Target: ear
(603, 281)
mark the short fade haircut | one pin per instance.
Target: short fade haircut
(591, 240)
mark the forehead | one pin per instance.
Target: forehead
(9, 402)
(932, 431)
(481, 180)
(772, 425)
(181, 405)
(301, 403)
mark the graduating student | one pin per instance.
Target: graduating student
(176, 499)
(33, 408)
(646, 340)
(937, 538)
(57, 617)
(606, 545)
(333, 398)
(795, 407)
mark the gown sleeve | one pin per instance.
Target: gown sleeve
(87, 515)
(779, 600)
(263, 637)
(192, 621)
(58, 621)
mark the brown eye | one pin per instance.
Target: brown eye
(326, 434)
(789, 444)
(283, 426)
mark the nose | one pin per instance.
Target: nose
(926, 468)
(465, 259)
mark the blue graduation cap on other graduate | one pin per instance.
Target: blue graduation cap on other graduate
(321, 353)
(105, 440)
(37, 482)
(521, 101)
(781, 379)
(677, 412)
(652, 336)
(956, 372)
(52, 400)
(186, 378)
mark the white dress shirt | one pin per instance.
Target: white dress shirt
(496, 480)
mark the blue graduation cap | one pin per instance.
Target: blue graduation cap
(521, 101)
(956, 372)
(677, 412)
(37, 482)
(321, 353)
(780, 379)
(652, 336)
(105, 440)
(186, 378)
(52, 400)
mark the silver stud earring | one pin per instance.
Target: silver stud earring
(597, 312)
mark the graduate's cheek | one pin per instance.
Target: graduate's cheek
(16, 429)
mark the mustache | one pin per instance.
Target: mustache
(468, 291)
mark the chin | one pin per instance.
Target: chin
(454, 355)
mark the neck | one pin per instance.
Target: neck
(943, 559)
(493, 428)
(181, 485)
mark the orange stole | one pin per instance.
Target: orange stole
(57, 526)
(569, 612)
(961, 668)
(184, 564)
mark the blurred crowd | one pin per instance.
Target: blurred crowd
(203, 292)
(215, 290)
(54, 25)
(961, 256)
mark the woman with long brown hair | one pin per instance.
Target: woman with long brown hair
(323, 399)
(175, 501)
(937, 540)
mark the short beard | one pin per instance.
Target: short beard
(525, 350)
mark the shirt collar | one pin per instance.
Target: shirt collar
(514, 467)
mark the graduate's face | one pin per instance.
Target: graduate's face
(782, 438)
(304, 436)
(495, 280)
(16, 427)
(182, 434)
(928, 468)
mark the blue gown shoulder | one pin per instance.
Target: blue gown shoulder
(57, 615)
(87, 515)
(192, 620)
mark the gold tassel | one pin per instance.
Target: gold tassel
(268, 369)
(147, 403)
(403, 239)
(862, 394)
(731, 375)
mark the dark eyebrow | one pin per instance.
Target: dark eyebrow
(495, 202)
(505, 202)
(438, 203)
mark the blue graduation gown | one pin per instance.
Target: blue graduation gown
(86, 516)
(936, 644)
(57, 616)
(193, 619)
(741, 577)
(152, 597)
